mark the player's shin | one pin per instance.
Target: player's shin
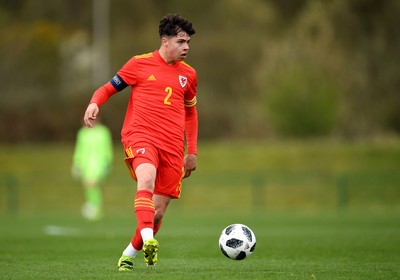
(144, 209)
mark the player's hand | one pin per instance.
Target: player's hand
(190, 163)
(91, 113)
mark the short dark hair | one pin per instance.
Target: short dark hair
(172, 24)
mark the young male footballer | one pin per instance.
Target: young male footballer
(161, 114)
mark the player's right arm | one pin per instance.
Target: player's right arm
(90, 114)
(100, 96)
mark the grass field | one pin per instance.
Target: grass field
(319, 211)
(289, 246)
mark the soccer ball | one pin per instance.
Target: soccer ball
(237, 241)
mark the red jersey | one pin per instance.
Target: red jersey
(156, 108)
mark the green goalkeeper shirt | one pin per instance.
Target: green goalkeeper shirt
(93, 153)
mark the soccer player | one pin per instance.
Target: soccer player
(91, 164)
(160, 116)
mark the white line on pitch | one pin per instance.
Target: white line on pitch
(61, 231)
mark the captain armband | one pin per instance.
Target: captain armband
(118, 83)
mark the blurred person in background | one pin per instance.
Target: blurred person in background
(160, 116)
(92, 161)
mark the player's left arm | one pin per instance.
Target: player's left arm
(191, 131)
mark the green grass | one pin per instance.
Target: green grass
(319, 210)
(289, 246)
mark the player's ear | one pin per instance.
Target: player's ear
(164, 40)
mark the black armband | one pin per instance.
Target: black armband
(118, 83)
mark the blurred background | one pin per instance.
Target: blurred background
(298, 100)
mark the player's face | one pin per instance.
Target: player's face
(177, 47)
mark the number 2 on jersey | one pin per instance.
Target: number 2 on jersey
(169, 91)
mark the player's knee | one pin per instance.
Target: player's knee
(145, 183)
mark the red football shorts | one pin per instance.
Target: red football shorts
(169, 167)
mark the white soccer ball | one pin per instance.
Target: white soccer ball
(237, 241)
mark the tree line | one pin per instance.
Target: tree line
(266, 68)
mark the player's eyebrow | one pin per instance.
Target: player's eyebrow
(181, 40)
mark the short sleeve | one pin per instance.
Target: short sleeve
(128, 72)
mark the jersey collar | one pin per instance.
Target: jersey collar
(157, 56)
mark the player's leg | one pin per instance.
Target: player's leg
(167, 182)
(136, 244)
(92, 209)
(145, 174)
(161, 203)
(150, 246)
(168, 186)
(144, 204)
